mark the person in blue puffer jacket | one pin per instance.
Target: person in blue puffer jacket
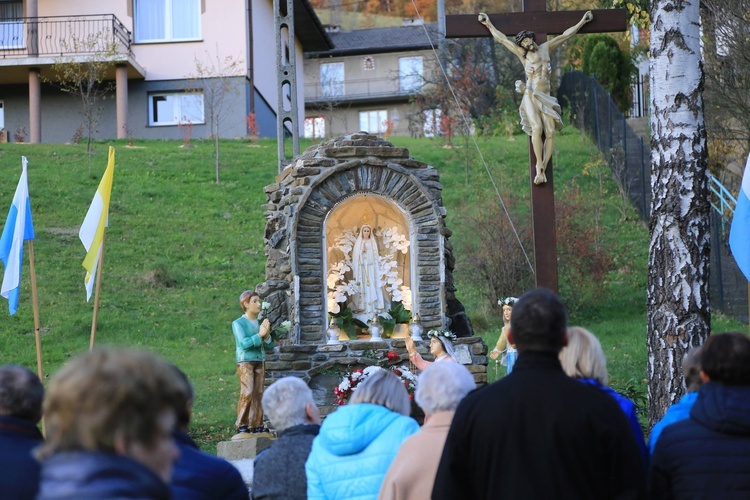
(708, 454)
(583, 359)
(357, 443)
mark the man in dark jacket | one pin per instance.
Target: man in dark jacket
(537, 433)
(21, 395)
(279, 471)
(198, 475)
(708, 454)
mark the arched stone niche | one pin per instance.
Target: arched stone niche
(394, 236)
(307, 197)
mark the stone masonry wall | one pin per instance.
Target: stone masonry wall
(298, 204)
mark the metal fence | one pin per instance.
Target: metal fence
(629, 156)
(61, 36)
(593, 110)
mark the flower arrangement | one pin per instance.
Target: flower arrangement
(351, 380)
(280, 331)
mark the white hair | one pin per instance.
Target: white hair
(285, 402)
(442, 386)
(383, 388)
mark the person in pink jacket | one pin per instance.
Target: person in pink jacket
(439, 390)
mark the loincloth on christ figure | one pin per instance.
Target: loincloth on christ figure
(545, 104)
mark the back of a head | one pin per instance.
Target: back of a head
(383, 388)
(538, 321)
(184, 405)
(584, 357)
(285, 402)
(21, 393)
(691, 369)
(107, 393)
(725, 358)
(442, 386)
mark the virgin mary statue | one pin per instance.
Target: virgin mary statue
(370, 299)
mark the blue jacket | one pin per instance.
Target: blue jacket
(200, 476)
(19, 470)
(352, 453)
(628, 407)
(103, 476)
(708, 454)
(678, 411)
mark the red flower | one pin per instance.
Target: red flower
(393, 356)
(397, 372)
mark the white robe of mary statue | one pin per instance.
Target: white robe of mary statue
(370, 299)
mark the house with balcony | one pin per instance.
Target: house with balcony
(369, 80)
(156, 50)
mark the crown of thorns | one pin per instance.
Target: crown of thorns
(524, 34)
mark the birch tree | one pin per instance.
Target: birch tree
(678, 308)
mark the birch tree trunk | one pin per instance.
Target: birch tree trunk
(678, 309)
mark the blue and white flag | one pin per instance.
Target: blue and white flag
(739, 235)
(18, 228)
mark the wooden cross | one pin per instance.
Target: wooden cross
(535, 17)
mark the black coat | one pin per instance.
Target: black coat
(200, 476)
(707, 455)
(19, 470)
(279, 471)
(539, 434)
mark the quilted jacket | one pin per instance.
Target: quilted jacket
(352, 453)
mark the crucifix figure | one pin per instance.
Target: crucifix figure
(535, 15)
(540, 112)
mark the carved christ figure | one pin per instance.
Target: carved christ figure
(540, 112)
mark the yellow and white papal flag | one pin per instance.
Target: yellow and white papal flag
(93, 227)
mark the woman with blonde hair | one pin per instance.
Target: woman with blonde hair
(357, 443)
(584, 360)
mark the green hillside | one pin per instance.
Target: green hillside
(180, 249)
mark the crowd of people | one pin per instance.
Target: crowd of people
(117, 422)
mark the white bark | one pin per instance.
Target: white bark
(678, 277)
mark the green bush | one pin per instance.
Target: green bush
(603, 57)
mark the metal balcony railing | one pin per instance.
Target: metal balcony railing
(359, 89)
(64, 36)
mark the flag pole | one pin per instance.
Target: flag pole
(35, 306)
(96, 293)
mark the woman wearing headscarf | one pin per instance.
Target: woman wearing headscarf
(357, 443)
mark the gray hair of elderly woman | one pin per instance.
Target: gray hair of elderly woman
(442, 386)
(691, 369)
(285, 402)
(383, 388)
(584, 357)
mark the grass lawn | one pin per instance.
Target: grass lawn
(180, 249)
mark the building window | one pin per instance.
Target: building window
(410, 73)
(373, 122)
(315, 127)
(368, 64)
(11, 25)
(332, 79)
(173, 108)
(167, 20)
